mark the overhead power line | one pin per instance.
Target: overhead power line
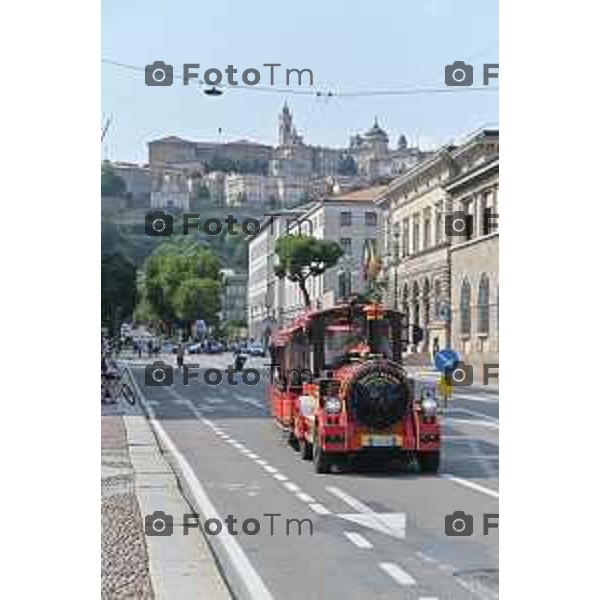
(324, 93)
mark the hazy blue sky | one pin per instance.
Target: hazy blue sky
(349, 45)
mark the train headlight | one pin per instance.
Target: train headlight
(429, 402)
(332, 405)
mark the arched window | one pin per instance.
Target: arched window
(426, 300)
(415, 301)
(437, 299)
(465, 308)
(483, 305)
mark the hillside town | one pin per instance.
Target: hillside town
(394, 200)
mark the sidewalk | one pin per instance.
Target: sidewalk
(137, 481)
(125, 571)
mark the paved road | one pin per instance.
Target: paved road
(375, 534)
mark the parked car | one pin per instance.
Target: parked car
(195, 348)
(256, 349)
(213, 347)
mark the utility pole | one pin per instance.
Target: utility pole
(105, 128)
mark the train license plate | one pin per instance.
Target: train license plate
(381, 441)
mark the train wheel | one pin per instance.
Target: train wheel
(306, 449)
(429, 462)
(321, 460)
(293, 440)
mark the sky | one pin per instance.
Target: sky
(349, 46)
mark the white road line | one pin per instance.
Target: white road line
(357, 505)
(261, 462)
(305, 497)
(280, 477)
(471, 485)
(319, 509)
(398, 574)
(253, 456)
(269, 469)
(376, 518)
(487, 424)
(474, 413)
(358, 540)
(247, 575)
(291, 486)
(428, 598)
(475, 398)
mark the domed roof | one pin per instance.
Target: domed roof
(376, 132)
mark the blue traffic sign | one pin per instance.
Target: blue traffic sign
(446, 359)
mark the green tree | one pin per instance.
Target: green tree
(304, 256)
(171, 276)
(111, 183)
(118, 290)
(197, 299)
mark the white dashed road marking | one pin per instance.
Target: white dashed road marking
(471, 485)
(358, 540)
(319, 509)
(398, 574)
(305, 497)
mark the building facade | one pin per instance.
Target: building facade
(418, 271)
(351, 219)
(474, 264)
(234, 297)
(137, 180)
(291, 172)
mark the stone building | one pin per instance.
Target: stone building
(234, 296)
(375, 160)
(137, 180)
(416, 268)
(287, 174)
(419, 276)
(474, 258)
(350, 218)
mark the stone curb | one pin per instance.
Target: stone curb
(180, 566)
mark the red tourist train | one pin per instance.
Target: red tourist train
(340, 391)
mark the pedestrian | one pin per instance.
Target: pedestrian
(149, 348)
(180, 354)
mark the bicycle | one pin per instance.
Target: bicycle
(114, 385)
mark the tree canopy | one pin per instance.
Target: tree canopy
(180, 284)
(112, 184)
(304, 256)
(117, 289)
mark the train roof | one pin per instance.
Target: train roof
(283, 336)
